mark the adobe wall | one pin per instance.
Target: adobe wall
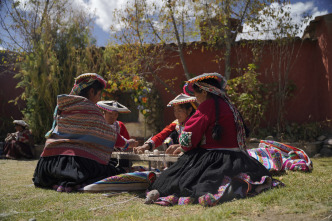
(9, 111)
(310, 71)
(324, 63)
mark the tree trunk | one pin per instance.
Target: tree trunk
(228, 42)
(180, 48)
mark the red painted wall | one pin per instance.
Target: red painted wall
(310, 71)
(8, 91)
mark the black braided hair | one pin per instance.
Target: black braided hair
(216, 132)
(217, 129)
(96, 85)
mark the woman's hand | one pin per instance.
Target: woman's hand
(178, 151)
(132, 143)
(174, 149)
(141, 149)
(10, 137)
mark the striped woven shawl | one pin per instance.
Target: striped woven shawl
(81, 131)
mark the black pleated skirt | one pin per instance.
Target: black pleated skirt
(71, 171)
(200, 171)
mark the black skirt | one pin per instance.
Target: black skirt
(71, 171)
(200, 171)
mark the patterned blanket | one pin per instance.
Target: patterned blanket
(80, 130)
(123, 182)
(277, 157)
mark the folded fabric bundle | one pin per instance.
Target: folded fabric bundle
(123, 182)
(276, 156)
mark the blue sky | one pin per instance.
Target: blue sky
(103, 9)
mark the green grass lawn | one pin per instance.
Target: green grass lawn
(307, 196)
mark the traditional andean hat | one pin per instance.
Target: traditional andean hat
(84, 80)
(188, 87)
(21, 123)
(112, 106)
(181, 99)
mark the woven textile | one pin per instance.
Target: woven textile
(185, 139)
(81, 131)
(126, 181)
(276, 156)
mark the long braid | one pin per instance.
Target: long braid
(214, 89)
(216, 132)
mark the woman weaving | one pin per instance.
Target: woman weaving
(215, 166)
(19, 144)
(184, 107)
(79, 146)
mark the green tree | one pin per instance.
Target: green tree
(56, 51)
(148, 28)
(221, 21)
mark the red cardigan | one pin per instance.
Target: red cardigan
(198, 129)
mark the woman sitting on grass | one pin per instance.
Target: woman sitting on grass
(184, 108)
(111, 111)
(19, 144)
(215, 166)
(79, 147)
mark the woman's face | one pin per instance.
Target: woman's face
(18, 128)
(111, 116)
(181, 113)
(200, 96)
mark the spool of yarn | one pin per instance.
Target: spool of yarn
(156, 152)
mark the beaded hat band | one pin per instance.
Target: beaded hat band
(182, 99)
(113, 106)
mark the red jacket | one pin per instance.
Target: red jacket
(159, 138)
(198, 129)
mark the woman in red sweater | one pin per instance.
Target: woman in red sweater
(184, 108)
(215, 166)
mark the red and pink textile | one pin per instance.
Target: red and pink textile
(276, 157)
